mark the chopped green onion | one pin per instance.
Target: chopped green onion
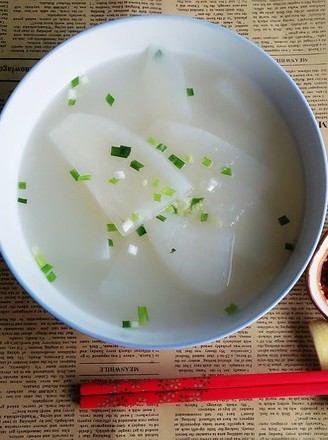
(158, 54)
(289, 246)
(78, 177)
(168, 191)
(22, 200)
(119, 174)
(157, 197)
(160, 217)
(226, 171)
(196, 201)
(110, 242)
(172, 251)
(161, 147)
(22, 185)
(151, 140)
(141, 231)
(136, 165)
(133, 250)
(51, 277)
(127, 225)
(179, 163)
(283, 220)
(71, 96)
(126, 324)
(113, 180)
(121, 151)
(75, 174)
(204, 217)
(231, 308)
(142, 315)
(189, 158)
(190, 91)
(84, 177)
(40, 260)
(155, 182)
(135, 216)
(75, 82)
(212, 184)
(111, 227)
(46, 268)
(207, 162)
(110, 99)
(171, 209)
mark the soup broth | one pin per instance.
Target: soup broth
(208, 203)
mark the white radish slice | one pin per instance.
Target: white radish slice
(85, 141)
(164, 84)
(198, 253)
(227, 197)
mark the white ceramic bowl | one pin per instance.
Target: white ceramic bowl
(123, 37)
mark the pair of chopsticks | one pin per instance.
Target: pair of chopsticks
(202, 389)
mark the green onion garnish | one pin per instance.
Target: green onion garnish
(75, 174)
(51, 277)
(168, 191)
(161, 147)
(40, 260)
(190, 91)
(172, 251)
(136, 165)
(160, 217)
(171, 209)
(151, 140)
(196, 201)
(283, 220)
(231, 308)
(78, 177)
(157, 197)
(110, 99)
(141, 231)
(22, 200)
(204, 217)
(113, 180)
(22, 185)
(155, 182)
(189, 158)
(111, 227)
(71, 102)
(84, 177)
(126, 324)
(179, 163)
(121, 151)
(75, 82)
(46, 268)
(289, 246)
(158, 54)
(135, 216)
(207, 162)
(142, 315)
(226, 171)
(110, 242)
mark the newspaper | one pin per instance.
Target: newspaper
(41, 359)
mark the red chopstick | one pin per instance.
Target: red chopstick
(201, 395)
(240, 386)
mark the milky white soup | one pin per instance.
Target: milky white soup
(194, 211)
